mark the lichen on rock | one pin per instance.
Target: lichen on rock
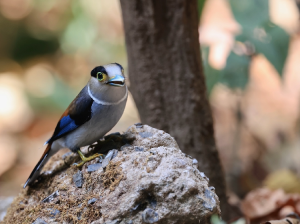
(158, 184)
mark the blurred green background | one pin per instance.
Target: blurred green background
(250, 51)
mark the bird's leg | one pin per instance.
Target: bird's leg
(86, 159)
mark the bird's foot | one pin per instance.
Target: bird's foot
(86, 159)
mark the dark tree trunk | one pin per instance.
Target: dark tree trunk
(167, 81)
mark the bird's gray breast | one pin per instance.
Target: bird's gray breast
(104, 118)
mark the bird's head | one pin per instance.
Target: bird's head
(111, 75)
(107, 82)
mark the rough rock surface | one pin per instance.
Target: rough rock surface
(158, 184)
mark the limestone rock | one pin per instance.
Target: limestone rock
(158, 184)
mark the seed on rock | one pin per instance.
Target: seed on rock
(150, 216)
(94, 167)
(78, 179)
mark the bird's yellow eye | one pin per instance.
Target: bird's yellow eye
(122, 71)
(101, 76)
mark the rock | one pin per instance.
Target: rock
(195, 162)
(54, 212)
(113, 222)
(92, 201)
(39, 221)
(94, 167)
(159, 184)
(51, 197)
(145, 134)
(69, 158)
(110, 155)
(138, 149)
(78, 179)
(64, 156)
(149, 216)
(115, 153)
(138, 125)
(126, 146)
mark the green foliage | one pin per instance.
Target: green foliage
(269, 40)
(216, 220)
(259, 36)
(234, 75)
(200, 7)
(250, 13)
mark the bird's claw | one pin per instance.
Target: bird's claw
(86, 159)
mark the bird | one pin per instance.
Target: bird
(94, 112)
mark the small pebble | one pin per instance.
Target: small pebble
(100, 159)
(138, 125)
(78, 179)
(94, 167)
(149, 216)
(115, 153)
(108, 158)
(195, 162)
(204, 176)
(138, 149)
(66, 155)
(92, 201)
(39, 221)
(124, 147)
(212, 188)
(116, 221)
(153, 203)
(145, 134)
(51, 197)
(54, 212)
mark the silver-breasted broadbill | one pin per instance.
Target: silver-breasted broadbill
(93, 113)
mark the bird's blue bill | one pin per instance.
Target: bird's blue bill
(117, 80)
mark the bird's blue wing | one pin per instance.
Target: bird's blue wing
(79, 112)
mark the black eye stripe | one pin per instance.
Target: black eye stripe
(98, 69)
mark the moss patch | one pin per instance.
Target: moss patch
(112, 175)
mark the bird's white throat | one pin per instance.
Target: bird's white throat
(102, 102)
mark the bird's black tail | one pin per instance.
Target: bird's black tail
(37, 169)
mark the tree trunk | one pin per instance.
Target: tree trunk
(167, 81)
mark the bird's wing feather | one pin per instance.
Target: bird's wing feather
(78, 112)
